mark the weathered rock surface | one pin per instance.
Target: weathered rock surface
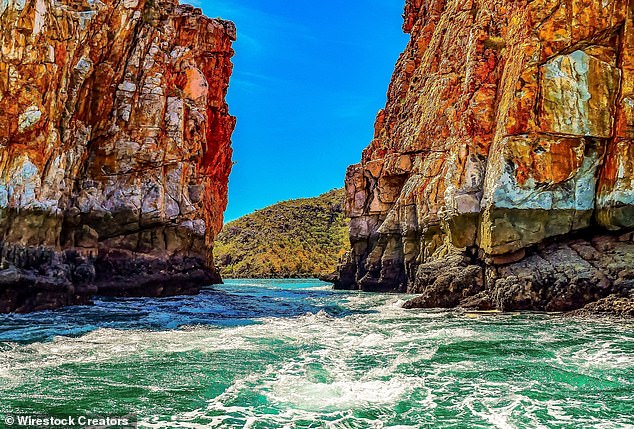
(507, 137)
(612, 305)
(295, 238)
(114, 149)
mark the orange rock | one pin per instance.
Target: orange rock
(113, 120)
(509, 112)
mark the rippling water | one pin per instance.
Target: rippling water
(294, 354)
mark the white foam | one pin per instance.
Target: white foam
(322, 368)
(340, 395)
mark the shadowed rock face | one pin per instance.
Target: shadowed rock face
(114, 149)
(509, 126)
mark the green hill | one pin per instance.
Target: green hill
(296, 238)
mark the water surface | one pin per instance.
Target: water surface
(294, 354)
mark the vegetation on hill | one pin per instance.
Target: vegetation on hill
(296, 238)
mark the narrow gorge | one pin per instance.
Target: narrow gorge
(481, 252)
(501, 174)
(115, 149)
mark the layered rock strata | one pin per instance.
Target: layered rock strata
(501, 173)
(114, 149)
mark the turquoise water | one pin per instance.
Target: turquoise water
(294, 354)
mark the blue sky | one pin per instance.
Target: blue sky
(308, 80)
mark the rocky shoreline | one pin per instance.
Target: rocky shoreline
(559, 275)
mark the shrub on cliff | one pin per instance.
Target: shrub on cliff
(296, 238)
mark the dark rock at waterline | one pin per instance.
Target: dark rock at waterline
(127, 275)
(25, 290)
(446, 283)
(38, 278)
(330, 278)
(561, 275)
(613, 305)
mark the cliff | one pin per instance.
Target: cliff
(296, 238)
(501, 174)
(114, 149)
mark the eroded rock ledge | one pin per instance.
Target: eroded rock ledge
(501, 174)
(114, 149)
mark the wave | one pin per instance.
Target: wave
(371, 365)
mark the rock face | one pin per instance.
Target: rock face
(503, 164)
(114, 148)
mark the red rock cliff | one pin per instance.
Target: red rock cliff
(114, 148)
(502, 158)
